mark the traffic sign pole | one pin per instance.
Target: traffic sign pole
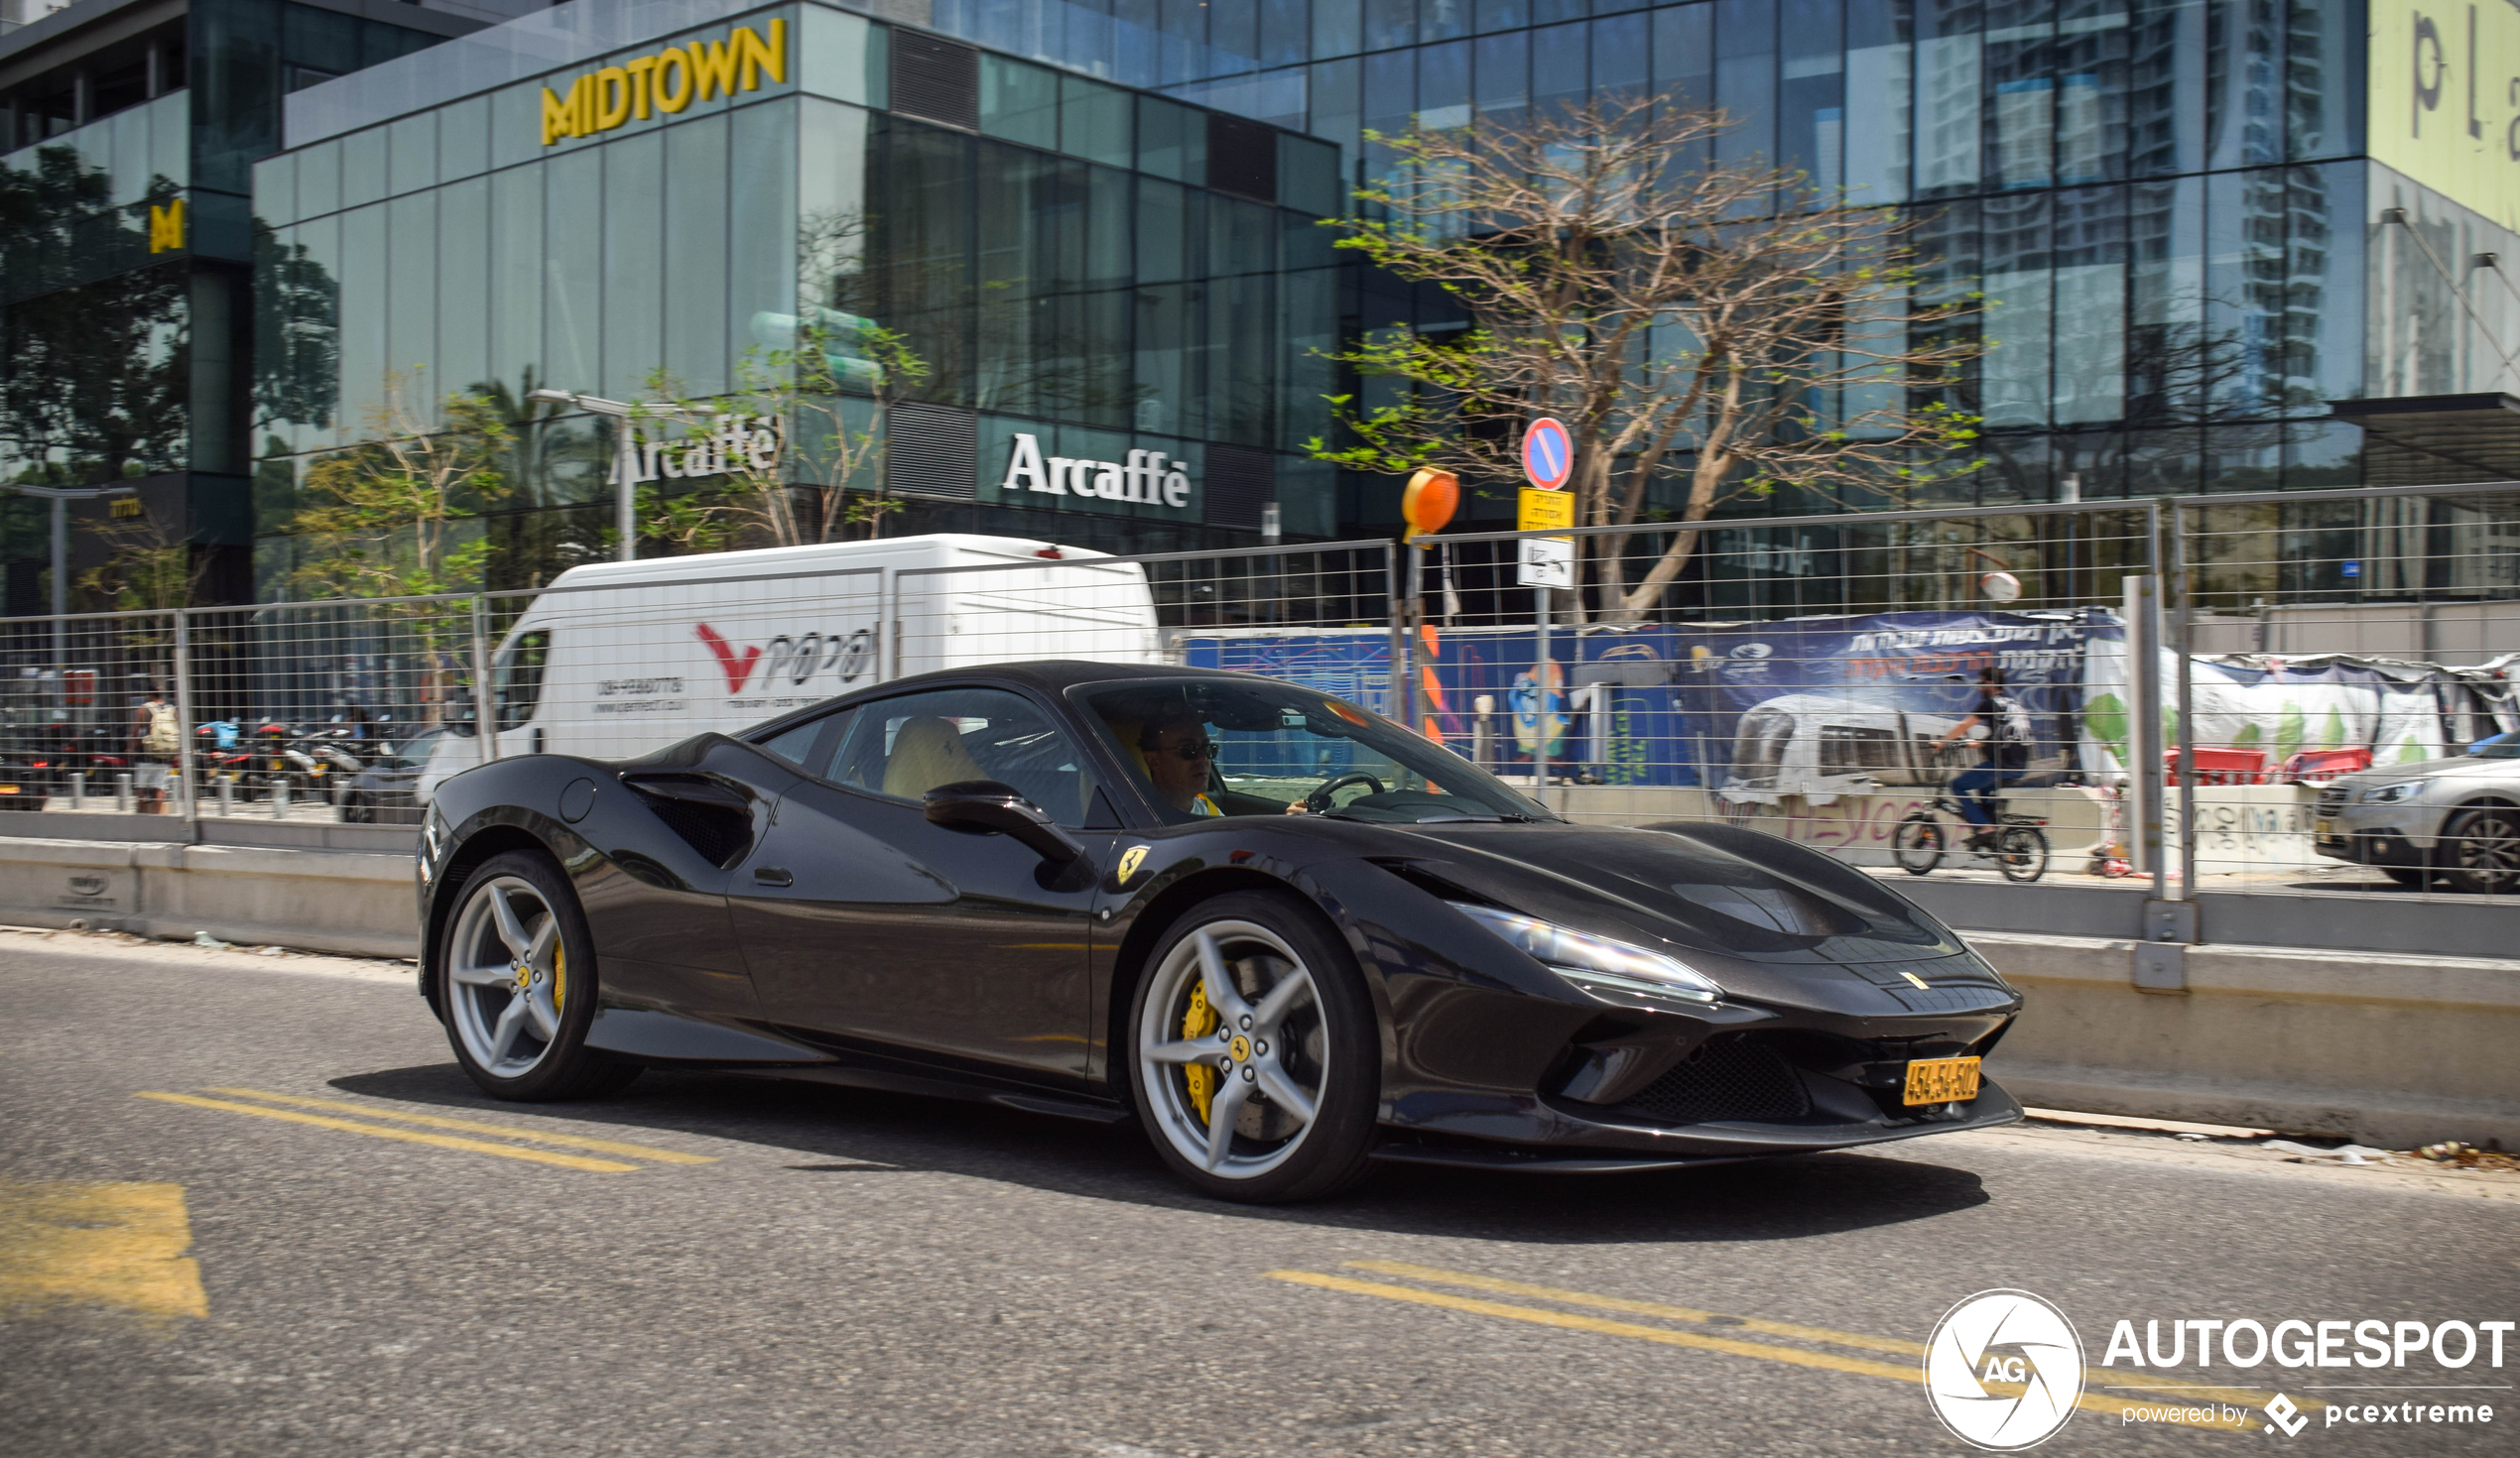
(1545, 562)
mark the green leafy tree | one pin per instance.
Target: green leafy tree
(393, 516)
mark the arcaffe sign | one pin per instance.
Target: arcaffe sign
(738, 442)
(1143, 478)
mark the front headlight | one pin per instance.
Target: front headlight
(2389, 794)
(1595, 962)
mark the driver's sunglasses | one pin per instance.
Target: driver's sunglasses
(1195, 750)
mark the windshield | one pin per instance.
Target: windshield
(2500, 747)
(1205, 747)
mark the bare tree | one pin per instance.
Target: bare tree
(1727, 325)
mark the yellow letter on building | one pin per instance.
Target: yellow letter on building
(166, 226)
(757, 56)
(714, 67)
(559, 118)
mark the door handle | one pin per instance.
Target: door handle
(774, 875)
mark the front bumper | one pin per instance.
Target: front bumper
(1640, 1087)
(2400, 834)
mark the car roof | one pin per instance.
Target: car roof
(1055, 675)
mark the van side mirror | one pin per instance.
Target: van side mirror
(988, 807)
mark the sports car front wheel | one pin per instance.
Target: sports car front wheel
(1254, 1053)
(515, 985)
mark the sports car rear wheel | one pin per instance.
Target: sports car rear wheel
(517, 987)
(1254, 1053)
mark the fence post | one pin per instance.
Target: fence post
(2182, 601)
(2143, 725)
(887, 625)
(1540, 698)
(1396, 703)
(485, 713)
(188, 793)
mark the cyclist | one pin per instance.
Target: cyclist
(2006, 726)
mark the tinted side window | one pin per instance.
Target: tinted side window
(907, 746)
(795, 744)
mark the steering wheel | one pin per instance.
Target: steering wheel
(1319, 800)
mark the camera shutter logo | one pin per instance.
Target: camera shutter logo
(2003, 1371)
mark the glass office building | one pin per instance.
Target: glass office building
(128, 133)
(1086, 273)
(2224, 244)
(2197, 223)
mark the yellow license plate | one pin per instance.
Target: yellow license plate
(1942, 1081)
(7, 790)
(2327, 828)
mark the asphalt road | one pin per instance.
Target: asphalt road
(850, 1272)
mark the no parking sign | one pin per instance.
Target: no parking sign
(1547, 453)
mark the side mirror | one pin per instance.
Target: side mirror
(987, 808)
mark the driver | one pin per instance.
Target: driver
(1177, 751)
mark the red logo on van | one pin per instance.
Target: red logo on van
(738, 669)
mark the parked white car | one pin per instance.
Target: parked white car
(617, 659)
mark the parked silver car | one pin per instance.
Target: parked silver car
(2452, 822)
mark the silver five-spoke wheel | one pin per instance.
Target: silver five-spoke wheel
(509, 976)
(1232, 1038)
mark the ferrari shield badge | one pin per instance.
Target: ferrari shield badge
(1130, 860)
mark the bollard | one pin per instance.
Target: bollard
(79, 790)
(279, 798)
(122, 792)
(228, 795)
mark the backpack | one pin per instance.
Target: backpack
(2008, 731)
(160, 736)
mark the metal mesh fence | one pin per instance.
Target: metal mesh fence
(1990, 693)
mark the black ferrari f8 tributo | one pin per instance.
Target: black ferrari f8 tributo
(1287, 937)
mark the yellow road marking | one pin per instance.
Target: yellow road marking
(576, 1142)
(1637, 1308)
(112, 1244)
(1571, 1321)
(1473, 1282)
(408, 1135)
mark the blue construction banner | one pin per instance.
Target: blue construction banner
(1806, 706)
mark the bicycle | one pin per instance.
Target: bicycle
(2019, 846)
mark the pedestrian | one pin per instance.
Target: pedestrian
(155, 743)
(2005, 727)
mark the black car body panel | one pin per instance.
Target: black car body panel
(746, 913)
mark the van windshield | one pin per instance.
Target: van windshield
(1205, 747)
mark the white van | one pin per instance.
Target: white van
(617, 659)
(1815, 744)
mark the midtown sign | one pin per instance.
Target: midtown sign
(1143, 478)
(665, 83)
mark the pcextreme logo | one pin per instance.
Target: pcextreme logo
(2003, 1371)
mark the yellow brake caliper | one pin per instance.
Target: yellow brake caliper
(559, 978)
(1200, 1022)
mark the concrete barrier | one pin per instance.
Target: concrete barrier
(2387, 1048)
(326, 901)
(2395, 1050)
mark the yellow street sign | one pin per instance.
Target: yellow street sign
(1544, 511)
